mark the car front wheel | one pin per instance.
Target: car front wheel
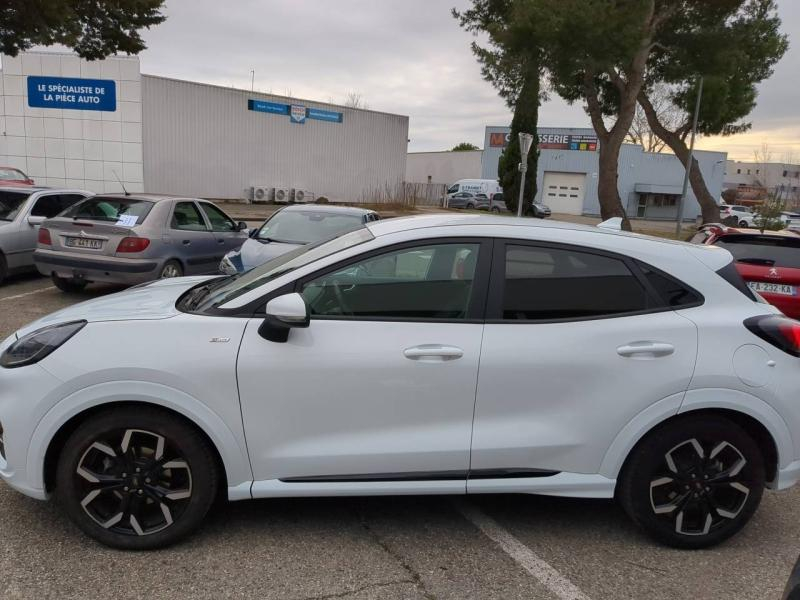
(136, 478)
(743, 224)
(694, 482)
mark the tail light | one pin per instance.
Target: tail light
(133, 244)
(781, 332)
(44, 237)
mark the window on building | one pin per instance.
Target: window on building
(785, 173)
(739, 171)
(748, 171)
(550, 283)
(758, 171)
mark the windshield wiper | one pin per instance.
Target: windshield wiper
(757, 261)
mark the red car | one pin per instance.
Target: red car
(10, 175)
(769, 262)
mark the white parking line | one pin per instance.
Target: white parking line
(554, 581)
(52, 287)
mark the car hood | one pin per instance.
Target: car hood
(152, 301)
(253, 253)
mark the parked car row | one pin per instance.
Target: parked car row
(494, 203)
(77, 238)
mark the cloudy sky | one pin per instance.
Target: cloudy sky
(403, 56)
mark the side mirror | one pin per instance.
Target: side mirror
(284, 313)
(242, 226)
(32, 220)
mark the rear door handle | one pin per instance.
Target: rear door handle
(186, 242)
(433, 353)
(645, 350)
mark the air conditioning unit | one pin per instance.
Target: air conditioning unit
(282, 195)
(261, 193)
(300, 196)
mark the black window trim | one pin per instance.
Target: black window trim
(494, 304)
(476, 309)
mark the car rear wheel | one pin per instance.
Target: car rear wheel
(3, 268)
(70, 285)
(743, 224)
(136, 478)
(495, 209)
(172, 268)
(694, 482)
(470, 206)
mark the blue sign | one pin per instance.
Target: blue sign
(297, 113)
(72, 93)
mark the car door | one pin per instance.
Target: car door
(379, 390)
(226, 233)
(577, 343)
(192, 240)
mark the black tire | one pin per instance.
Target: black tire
(68, 285)
(743, 224)
(170, 267)
(495, 209)
(470, 206)
(187, 465)
(3, 268)
(697, 489)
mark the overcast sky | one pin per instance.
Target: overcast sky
(403, 56)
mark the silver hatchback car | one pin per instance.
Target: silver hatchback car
(131, 239)
(22, 210)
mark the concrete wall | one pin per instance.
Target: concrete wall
(443, 167)
(202, 140)
(72, 148)
(636, 167)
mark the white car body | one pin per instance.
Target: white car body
(475, 186)
(339, 409)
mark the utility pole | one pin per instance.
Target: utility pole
(525, 143)
(252, 79)
(682, 201)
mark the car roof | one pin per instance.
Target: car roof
(9, 187)
(327, 208)
(149, 197)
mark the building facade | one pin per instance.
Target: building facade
(650, 184)
(94, 124)
(443, 167)
(755, 181)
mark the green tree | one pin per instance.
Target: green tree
(464, 147)
(512, 64)
(92, 28)
(768, 214)
(734, 44)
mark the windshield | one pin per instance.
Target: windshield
(11, 175)
(306, 227)
(125, 211)
(280, 265)
(10, 203)
(763, 250)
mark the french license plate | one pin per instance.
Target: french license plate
(772, 288)
(74, 242)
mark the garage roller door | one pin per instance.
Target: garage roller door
(564, 192)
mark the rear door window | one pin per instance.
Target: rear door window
(770, 251)
(125, 211)
(187, 217)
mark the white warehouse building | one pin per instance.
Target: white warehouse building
(93, 124)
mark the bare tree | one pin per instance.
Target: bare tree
(355, 100)
(669, 114)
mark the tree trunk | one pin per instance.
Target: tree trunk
(708, 204)
(607, 188)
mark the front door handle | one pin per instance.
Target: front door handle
(186, 242)
(433, 353)
(645, 350)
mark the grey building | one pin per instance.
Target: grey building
(98, 125)
(650, 184)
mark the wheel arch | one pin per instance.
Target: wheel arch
(54, 428)
(753, 415)
(67, 428)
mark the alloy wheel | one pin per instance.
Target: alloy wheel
(170, 270)
(701, 486)
(133, 482)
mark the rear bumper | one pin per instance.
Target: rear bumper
(108, 269)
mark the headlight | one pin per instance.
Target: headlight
(33, 347)
(229, 266)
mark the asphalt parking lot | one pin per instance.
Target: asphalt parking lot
(402, 547)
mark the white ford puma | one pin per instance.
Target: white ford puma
(431, 355)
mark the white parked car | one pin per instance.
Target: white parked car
(597, 364)
(745, 217)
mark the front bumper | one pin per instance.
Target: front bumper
(106, 269)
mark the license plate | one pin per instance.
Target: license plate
(772, 288)
(73, 242)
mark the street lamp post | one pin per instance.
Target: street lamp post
(682, 200)
(525, 143)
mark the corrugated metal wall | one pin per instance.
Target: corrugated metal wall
(201, 140)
